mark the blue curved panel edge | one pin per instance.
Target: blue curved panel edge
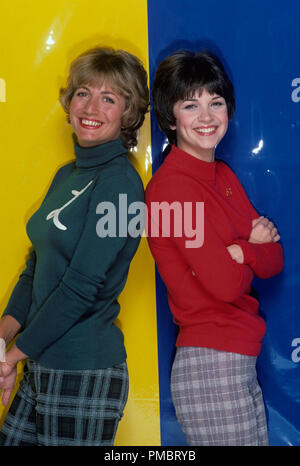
(259, 42)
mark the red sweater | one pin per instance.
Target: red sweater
(209, 292)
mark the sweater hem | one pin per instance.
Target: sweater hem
(232, 346)
(78, 365)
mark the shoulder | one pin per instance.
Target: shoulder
(120, 178)
(231, 177)
(230, 174)
(60, 176)
(64, 171)
(174, 187)
(165, 177)
(224, 168)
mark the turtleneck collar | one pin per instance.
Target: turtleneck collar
(89, 157)
(192, 165)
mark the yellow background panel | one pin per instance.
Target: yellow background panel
(38, 40)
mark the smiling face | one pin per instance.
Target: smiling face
(201, 123)
(95, 114)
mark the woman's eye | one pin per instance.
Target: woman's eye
(109, 100)
(190, 106)
(81, 94)
(218, 103)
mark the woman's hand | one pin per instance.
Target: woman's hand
(236, 253)
(263, 231)
(8, 374)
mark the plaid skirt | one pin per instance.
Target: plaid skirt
(65, 408)
(217, 398)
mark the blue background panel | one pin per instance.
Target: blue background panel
(259, 42)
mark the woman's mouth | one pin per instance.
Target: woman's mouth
(206, 131)
(90, 124)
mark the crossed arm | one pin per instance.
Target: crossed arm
(263, 231)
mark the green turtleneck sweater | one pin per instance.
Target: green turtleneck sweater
(66, 298)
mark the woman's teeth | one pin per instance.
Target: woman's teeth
(205, 130)
(90, 122)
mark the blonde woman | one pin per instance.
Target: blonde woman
(65, 303)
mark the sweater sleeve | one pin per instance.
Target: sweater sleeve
(84, 277)
(20, 300)
(266, 260)
(211, 263)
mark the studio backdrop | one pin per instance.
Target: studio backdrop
(259, 42)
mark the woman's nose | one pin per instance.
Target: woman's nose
(92, 105)
(204, 114)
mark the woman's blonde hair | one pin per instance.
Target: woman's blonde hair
(125, 74)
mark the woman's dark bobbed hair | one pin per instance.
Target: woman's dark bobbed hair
(179, 76)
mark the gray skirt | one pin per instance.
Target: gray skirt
(217, 398)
